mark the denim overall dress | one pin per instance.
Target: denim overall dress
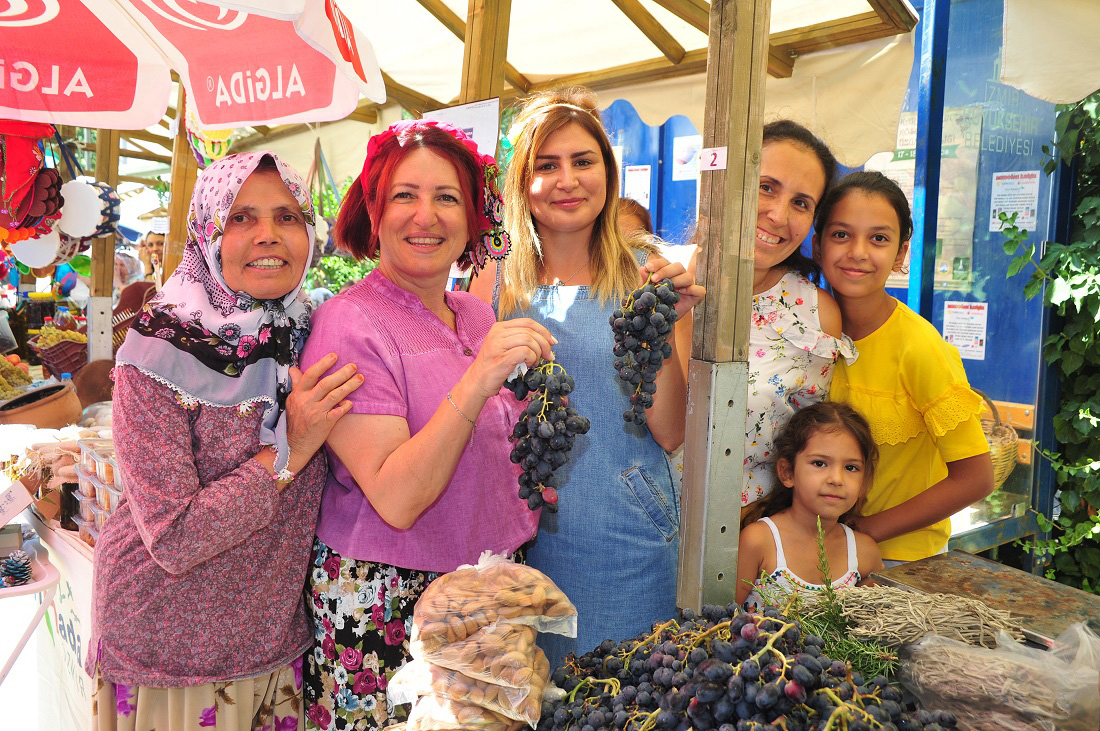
(613, 545)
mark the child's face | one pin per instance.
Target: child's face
(860, 244)
(792, 182)
(827, 475)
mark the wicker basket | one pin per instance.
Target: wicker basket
(1002, 440)
(66, 356)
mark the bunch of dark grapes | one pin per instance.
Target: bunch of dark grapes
(642, 326)
(544, 434)
(726, 670)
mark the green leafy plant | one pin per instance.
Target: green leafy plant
(1071, 275)
(823, 615)
(325, 198)
(333, 272)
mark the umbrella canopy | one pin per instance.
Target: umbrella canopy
(107, 63)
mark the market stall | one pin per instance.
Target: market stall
(76, 482)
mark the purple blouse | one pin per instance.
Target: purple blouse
(199, 571)
(410, 360)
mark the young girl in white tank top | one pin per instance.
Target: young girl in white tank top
(825, 461)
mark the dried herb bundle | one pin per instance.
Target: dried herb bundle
(895, 617)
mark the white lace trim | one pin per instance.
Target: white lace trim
(189, 400)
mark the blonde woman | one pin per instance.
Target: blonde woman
(613, 546)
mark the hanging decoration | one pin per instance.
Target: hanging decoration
(326, 197)
(29, 195)
(208, 145)
(40, 251)
(91, 209)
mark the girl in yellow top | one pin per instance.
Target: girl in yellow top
(908, 382)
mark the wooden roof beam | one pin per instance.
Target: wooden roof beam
(456, 25)
(147, 182)
(780, 62)
(410, 99)
(140, 134)
(652, 29)
(694, 62)
(692, 12)
(484, 49)
(895, 13)
(366, 112)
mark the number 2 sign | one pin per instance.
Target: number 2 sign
(712, 158)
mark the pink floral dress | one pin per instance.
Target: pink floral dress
(790, 366)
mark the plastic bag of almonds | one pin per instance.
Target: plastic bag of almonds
(419, 678)
(502, 654)
(496, 590)
(439, 713)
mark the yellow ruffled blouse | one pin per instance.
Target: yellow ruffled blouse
(910, 385)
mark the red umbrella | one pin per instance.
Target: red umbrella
(106, 63)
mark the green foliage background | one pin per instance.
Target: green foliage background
(1071, 273)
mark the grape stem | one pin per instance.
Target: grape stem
(650, 721)
(612, 683)
(844, 712)
(670, 624)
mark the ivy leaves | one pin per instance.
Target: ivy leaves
(1071, 275)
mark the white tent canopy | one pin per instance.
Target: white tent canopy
(851, 96)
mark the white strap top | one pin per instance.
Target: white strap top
(785, 581)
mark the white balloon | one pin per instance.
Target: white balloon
(83, 210)
(38, 252)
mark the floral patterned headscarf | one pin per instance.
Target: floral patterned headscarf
(211, 344)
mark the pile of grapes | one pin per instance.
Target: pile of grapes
(642, 326)
(12, 380)
(730, 671)
(544, 434)
(50, 336)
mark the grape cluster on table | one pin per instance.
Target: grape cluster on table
(642, 326)
(725, 670)
(544, 434)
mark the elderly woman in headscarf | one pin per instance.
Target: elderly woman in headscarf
(199, 618)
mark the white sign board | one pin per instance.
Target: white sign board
(636, 182)
(1015, 192)
(479, 120)
(965, 325)
(685, 157)
(14, 498)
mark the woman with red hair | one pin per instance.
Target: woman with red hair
(420, 480)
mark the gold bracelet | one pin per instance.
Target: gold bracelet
(472, 422)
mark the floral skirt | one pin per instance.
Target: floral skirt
(362, 614)
(268, 703)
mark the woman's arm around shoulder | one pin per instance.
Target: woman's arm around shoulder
(752, 548)
(828, 314)
(870, 559)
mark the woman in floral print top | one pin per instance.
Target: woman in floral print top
(795, 331)
(199, 619)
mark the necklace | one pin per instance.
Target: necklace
(566, 280)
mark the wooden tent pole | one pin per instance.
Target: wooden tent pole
(718, 373)
(185, 171)
(486, 46)
(103, 254)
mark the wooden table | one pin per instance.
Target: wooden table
(1044, 608)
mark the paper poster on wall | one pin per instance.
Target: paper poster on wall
(479, 120)
(636, 183)
(962, 128)
(1015, 192)
(965, 325)
(685, 157)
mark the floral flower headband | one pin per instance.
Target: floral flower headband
(493, 241)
